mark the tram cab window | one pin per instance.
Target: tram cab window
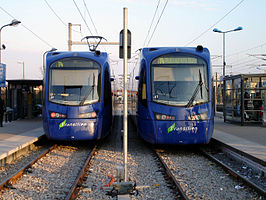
(107, 87)
(142, 86)
(74, 82)
(179, 80)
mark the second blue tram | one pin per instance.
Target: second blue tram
(175, 96)
(77, 96)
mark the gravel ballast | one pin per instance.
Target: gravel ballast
(143, 169)
(201, 178)
(51, 177)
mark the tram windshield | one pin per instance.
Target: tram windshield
(74, 82)
(179, 80)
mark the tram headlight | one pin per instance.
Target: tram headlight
(56, 115)
(159, 116)
(87, 115)
(91, 127)
(202, 116)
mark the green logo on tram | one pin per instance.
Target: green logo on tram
(62, 124)
(171, 128)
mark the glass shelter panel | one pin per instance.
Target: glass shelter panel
(246, 103)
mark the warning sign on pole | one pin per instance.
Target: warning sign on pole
(121, 44)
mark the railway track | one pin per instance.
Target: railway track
(79, 180)
(56, 174)
(196, 176)
(69, 172)
(180, 192)
(15, 176)
(144, 171)
(241, 166)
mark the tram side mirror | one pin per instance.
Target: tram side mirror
(137, 78)
(3, 47)
(112, 79)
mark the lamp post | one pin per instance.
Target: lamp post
(23, 68)
(224, 63)
(13, 23)
(51, 50)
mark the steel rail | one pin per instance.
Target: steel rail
(73, 192)
(259, 189)
(216, 143)
(14, 177)
(171, 176)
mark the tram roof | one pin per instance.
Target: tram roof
(152, 52)
(85, 54)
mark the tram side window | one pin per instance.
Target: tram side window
(107, 87)
(143, 86)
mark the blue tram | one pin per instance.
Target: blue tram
(175, 96)
(77, 96)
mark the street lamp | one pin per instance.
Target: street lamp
(224, 32)
(224, 63)
(51, 50)
(13, 23)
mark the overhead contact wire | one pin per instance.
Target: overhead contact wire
(90, 17)
(158, 22)
(82, 17)
(28, 29)
(152, 22)
(60, 19)
(216, 22)
(55, 13)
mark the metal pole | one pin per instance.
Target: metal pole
(13, 23)
(23, 71)
(0, 56)
(132, 96)
(0, 45)
(125, 92)
(216, 84)
(0, 40)
(69, 37)
(224, 65)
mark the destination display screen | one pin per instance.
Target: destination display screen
(171, 59)
(76, 63)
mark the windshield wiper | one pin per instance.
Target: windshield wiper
(89, 92)
(195, 93)
(170, 91)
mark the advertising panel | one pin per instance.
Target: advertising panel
(2, 75)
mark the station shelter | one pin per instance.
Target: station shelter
(24, 98)
(245, 98)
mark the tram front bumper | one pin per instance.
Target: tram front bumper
(73, 129)
(182, 132)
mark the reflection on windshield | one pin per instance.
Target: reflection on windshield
(74, 87)
(179, 84)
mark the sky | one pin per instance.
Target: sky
(179, 23)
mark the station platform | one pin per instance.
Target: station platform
(249, 139)
(18, 135)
